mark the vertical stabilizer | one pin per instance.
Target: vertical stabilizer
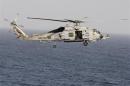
(20, 34)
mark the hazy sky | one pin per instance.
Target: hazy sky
(102, 14)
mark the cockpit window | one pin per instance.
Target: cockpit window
(60, 29)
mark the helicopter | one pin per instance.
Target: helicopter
(73, 32)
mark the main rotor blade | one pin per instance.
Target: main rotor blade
(48, 19)
(74, 21)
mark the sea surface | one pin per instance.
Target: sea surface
(28, 63)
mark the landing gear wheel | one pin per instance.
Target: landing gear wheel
(85, 42)
(54, 46)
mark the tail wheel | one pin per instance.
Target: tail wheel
(85, 42)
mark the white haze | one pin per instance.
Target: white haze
(109, 16)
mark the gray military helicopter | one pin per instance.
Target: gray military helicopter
(73, 32)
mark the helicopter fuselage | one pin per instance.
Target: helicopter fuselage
(68, 34)
(74, 33)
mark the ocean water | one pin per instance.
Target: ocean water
(28, 63)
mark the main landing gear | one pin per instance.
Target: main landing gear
(54, 46)
(85, 42)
